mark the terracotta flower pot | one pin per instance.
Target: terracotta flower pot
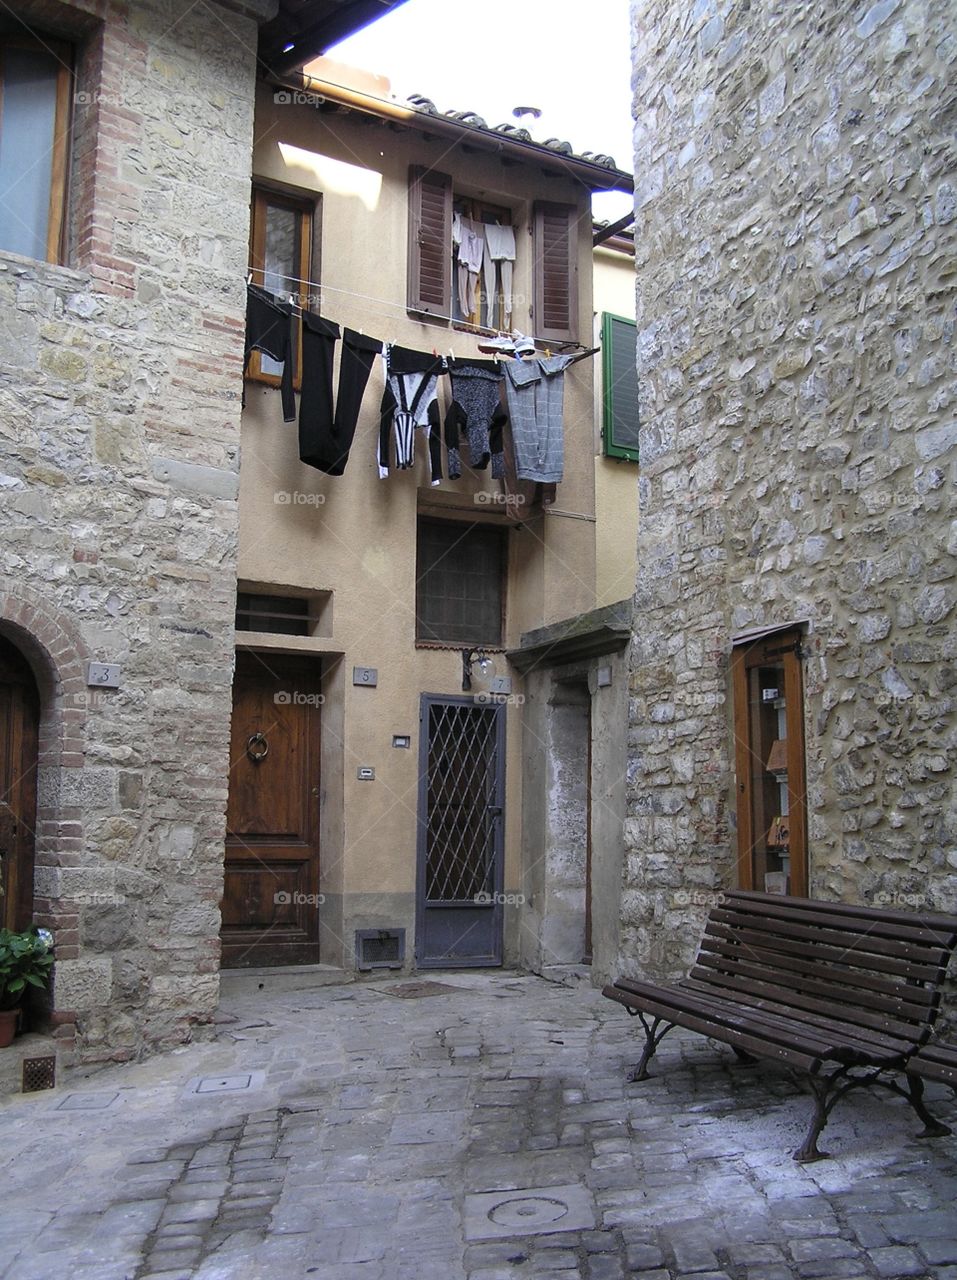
(9, 1018)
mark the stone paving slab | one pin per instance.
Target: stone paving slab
(439, 1138)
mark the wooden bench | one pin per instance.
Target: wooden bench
(847, 995)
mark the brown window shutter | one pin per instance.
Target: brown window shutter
(430, 241)
(556, 271)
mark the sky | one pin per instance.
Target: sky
(491, 56)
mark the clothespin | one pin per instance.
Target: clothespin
(548, 353)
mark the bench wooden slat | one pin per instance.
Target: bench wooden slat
(768, 984)
(936, 920)
(866, 925)
(936, 1061)
(775, 1026)
(807, 976)
(705, 1026)
(787, 941)
(878, 1043)
(933, 957)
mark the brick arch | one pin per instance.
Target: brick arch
(55, 651)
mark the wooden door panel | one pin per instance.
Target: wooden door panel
(19, 733)
(270, 908)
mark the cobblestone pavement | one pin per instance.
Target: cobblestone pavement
(486, 1132)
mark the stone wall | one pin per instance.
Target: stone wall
(120, 383)
(796, 202)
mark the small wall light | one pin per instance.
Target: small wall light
(480, 659)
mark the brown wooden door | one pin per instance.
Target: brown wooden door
(19, 725)
(271, 887)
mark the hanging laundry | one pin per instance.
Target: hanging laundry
(535, 392)
(269, 330)
(411, 381)
(325, 437)
(455, 425)
(499, 250)
(471, 252)
(476, 398)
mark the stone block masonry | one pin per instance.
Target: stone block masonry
(796, 203)
(120, 382)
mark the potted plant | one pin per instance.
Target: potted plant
(25, 961)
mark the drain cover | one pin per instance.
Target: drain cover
(532, 1211)
(529, 1211)
(413, 990)
(237, 1083)
(87, 1101)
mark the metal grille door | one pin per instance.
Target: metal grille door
(461, 797)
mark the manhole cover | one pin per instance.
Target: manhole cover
(237, 1083)
(528, 1211)
(413, 990)
(531, 1211)
(87, 1101)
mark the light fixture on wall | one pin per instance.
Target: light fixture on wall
(480, 659)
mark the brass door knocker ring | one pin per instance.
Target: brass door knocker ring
(257, 748)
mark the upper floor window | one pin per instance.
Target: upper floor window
(619, 358)
(282, 261)
(460, 583)
(434, 285)
(35, 79)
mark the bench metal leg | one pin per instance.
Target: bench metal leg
(653, 1037)
(915, 1096)
(808, 1151)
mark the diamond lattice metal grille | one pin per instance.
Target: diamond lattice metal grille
(463, 762)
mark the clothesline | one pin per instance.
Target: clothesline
(396, 306)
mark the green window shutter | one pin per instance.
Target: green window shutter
(619, 359)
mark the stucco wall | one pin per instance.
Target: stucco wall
(119, 437)
(616, 481)
(355, 535)
(795, 233)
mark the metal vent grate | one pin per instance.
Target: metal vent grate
(38, 1073)
(380, 948)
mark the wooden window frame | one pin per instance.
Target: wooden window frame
(752, 786)
(470, 525)
(59, 158)
(307, 206)
(610, 376)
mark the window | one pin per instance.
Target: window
(282, 261)
(35, 82)
(487, 312)
(619, 340)
(284, 615)
(769, 760)
(432, 287)
(460, 575)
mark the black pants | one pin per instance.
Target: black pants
(269, 329)
(326, 435)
